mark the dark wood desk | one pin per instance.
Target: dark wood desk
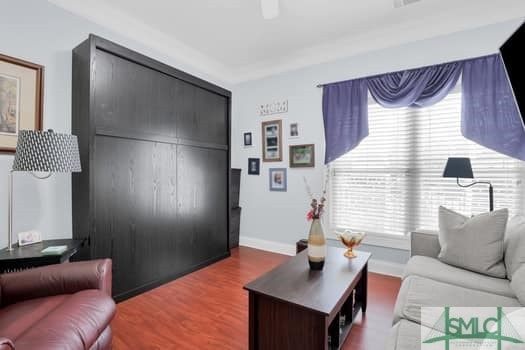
(29, 256)
(293, 307)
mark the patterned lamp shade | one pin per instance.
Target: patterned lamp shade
(46, 151)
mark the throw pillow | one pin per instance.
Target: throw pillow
(476, 243)
(518, 284)
(515, 245)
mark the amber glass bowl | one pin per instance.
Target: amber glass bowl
(350, 240)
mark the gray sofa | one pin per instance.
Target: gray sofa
(430, 282)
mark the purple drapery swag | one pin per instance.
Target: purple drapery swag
(489, 114)
(420, 87)
(486, 98)
(345, 114)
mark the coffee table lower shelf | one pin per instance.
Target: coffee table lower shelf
(338, 331)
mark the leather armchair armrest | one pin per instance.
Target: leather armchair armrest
(57, 279)
(6, 344)
(425, 244)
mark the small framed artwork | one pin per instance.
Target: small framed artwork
(247, 139)
(302, 156)
(29, 237)
(294, 130)
(272, 141)
(254, 166)
(21, 99)
(278, 179)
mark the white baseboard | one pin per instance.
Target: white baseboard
(377, 266)
(269, 246)
(388, 268)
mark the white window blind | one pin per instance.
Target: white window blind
(392, 182)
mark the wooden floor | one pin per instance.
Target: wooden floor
(208, 309)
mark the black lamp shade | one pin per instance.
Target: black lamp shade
(458, 168)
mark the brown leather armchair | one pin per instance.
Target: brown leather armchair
(65, 306)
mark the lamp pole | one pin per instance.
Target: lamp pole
(491, 191)
(10, 211)
(491, 197)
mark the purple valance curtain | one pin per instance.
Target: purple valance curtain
(489, 116)
(345, 104)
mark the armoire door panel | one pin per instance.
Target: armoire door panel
(202, 115)
(202, 197)
(129, 96)
(135, 184)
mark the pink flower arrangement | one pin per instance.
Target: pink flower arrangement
(317, 209)
(317, 206)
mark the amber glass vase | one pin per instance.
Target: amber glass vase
(316, 245)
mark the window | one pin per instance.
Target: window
(391, 183)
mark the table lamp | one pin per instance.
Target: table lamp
(461, 168)
(41, 151)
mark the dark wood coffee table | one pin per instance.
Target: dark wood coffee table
(293, 307)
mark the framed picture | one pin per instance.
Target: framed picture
(278, 179)
(302, 156)
(21, 99)
(272, 141)
(29, 237)
(254, 166)
(247, 139)
(294, 130)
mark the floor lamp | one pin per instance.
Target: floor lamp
(461, 168)
(43, 152)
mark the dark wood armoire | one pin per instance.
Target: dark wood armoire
(154, 141)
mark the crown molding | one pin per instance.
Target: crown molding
(200, 64)
(350, 46)
(107, 16)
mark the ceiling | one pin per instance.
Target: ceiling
(230, 39)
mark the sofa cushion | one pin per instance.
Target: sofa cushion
(436, 270)
(518, 284)
(405, 335)
(515, 245)
(17, 318)
(475, 243)
(80, 317)
(418, 291)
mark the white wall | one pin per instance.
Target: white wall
(42, 33)
(280, 217)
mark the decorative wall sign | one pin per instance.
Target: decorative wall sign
(254, 166)
(294, 130)
(21, 99)
(273, 108)
(247, 139)
(278, 179)
(302, 156)
(272, 141)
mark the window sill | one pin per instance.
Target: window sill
(384, 240)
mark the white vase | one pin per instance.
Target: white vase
(316, 245)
